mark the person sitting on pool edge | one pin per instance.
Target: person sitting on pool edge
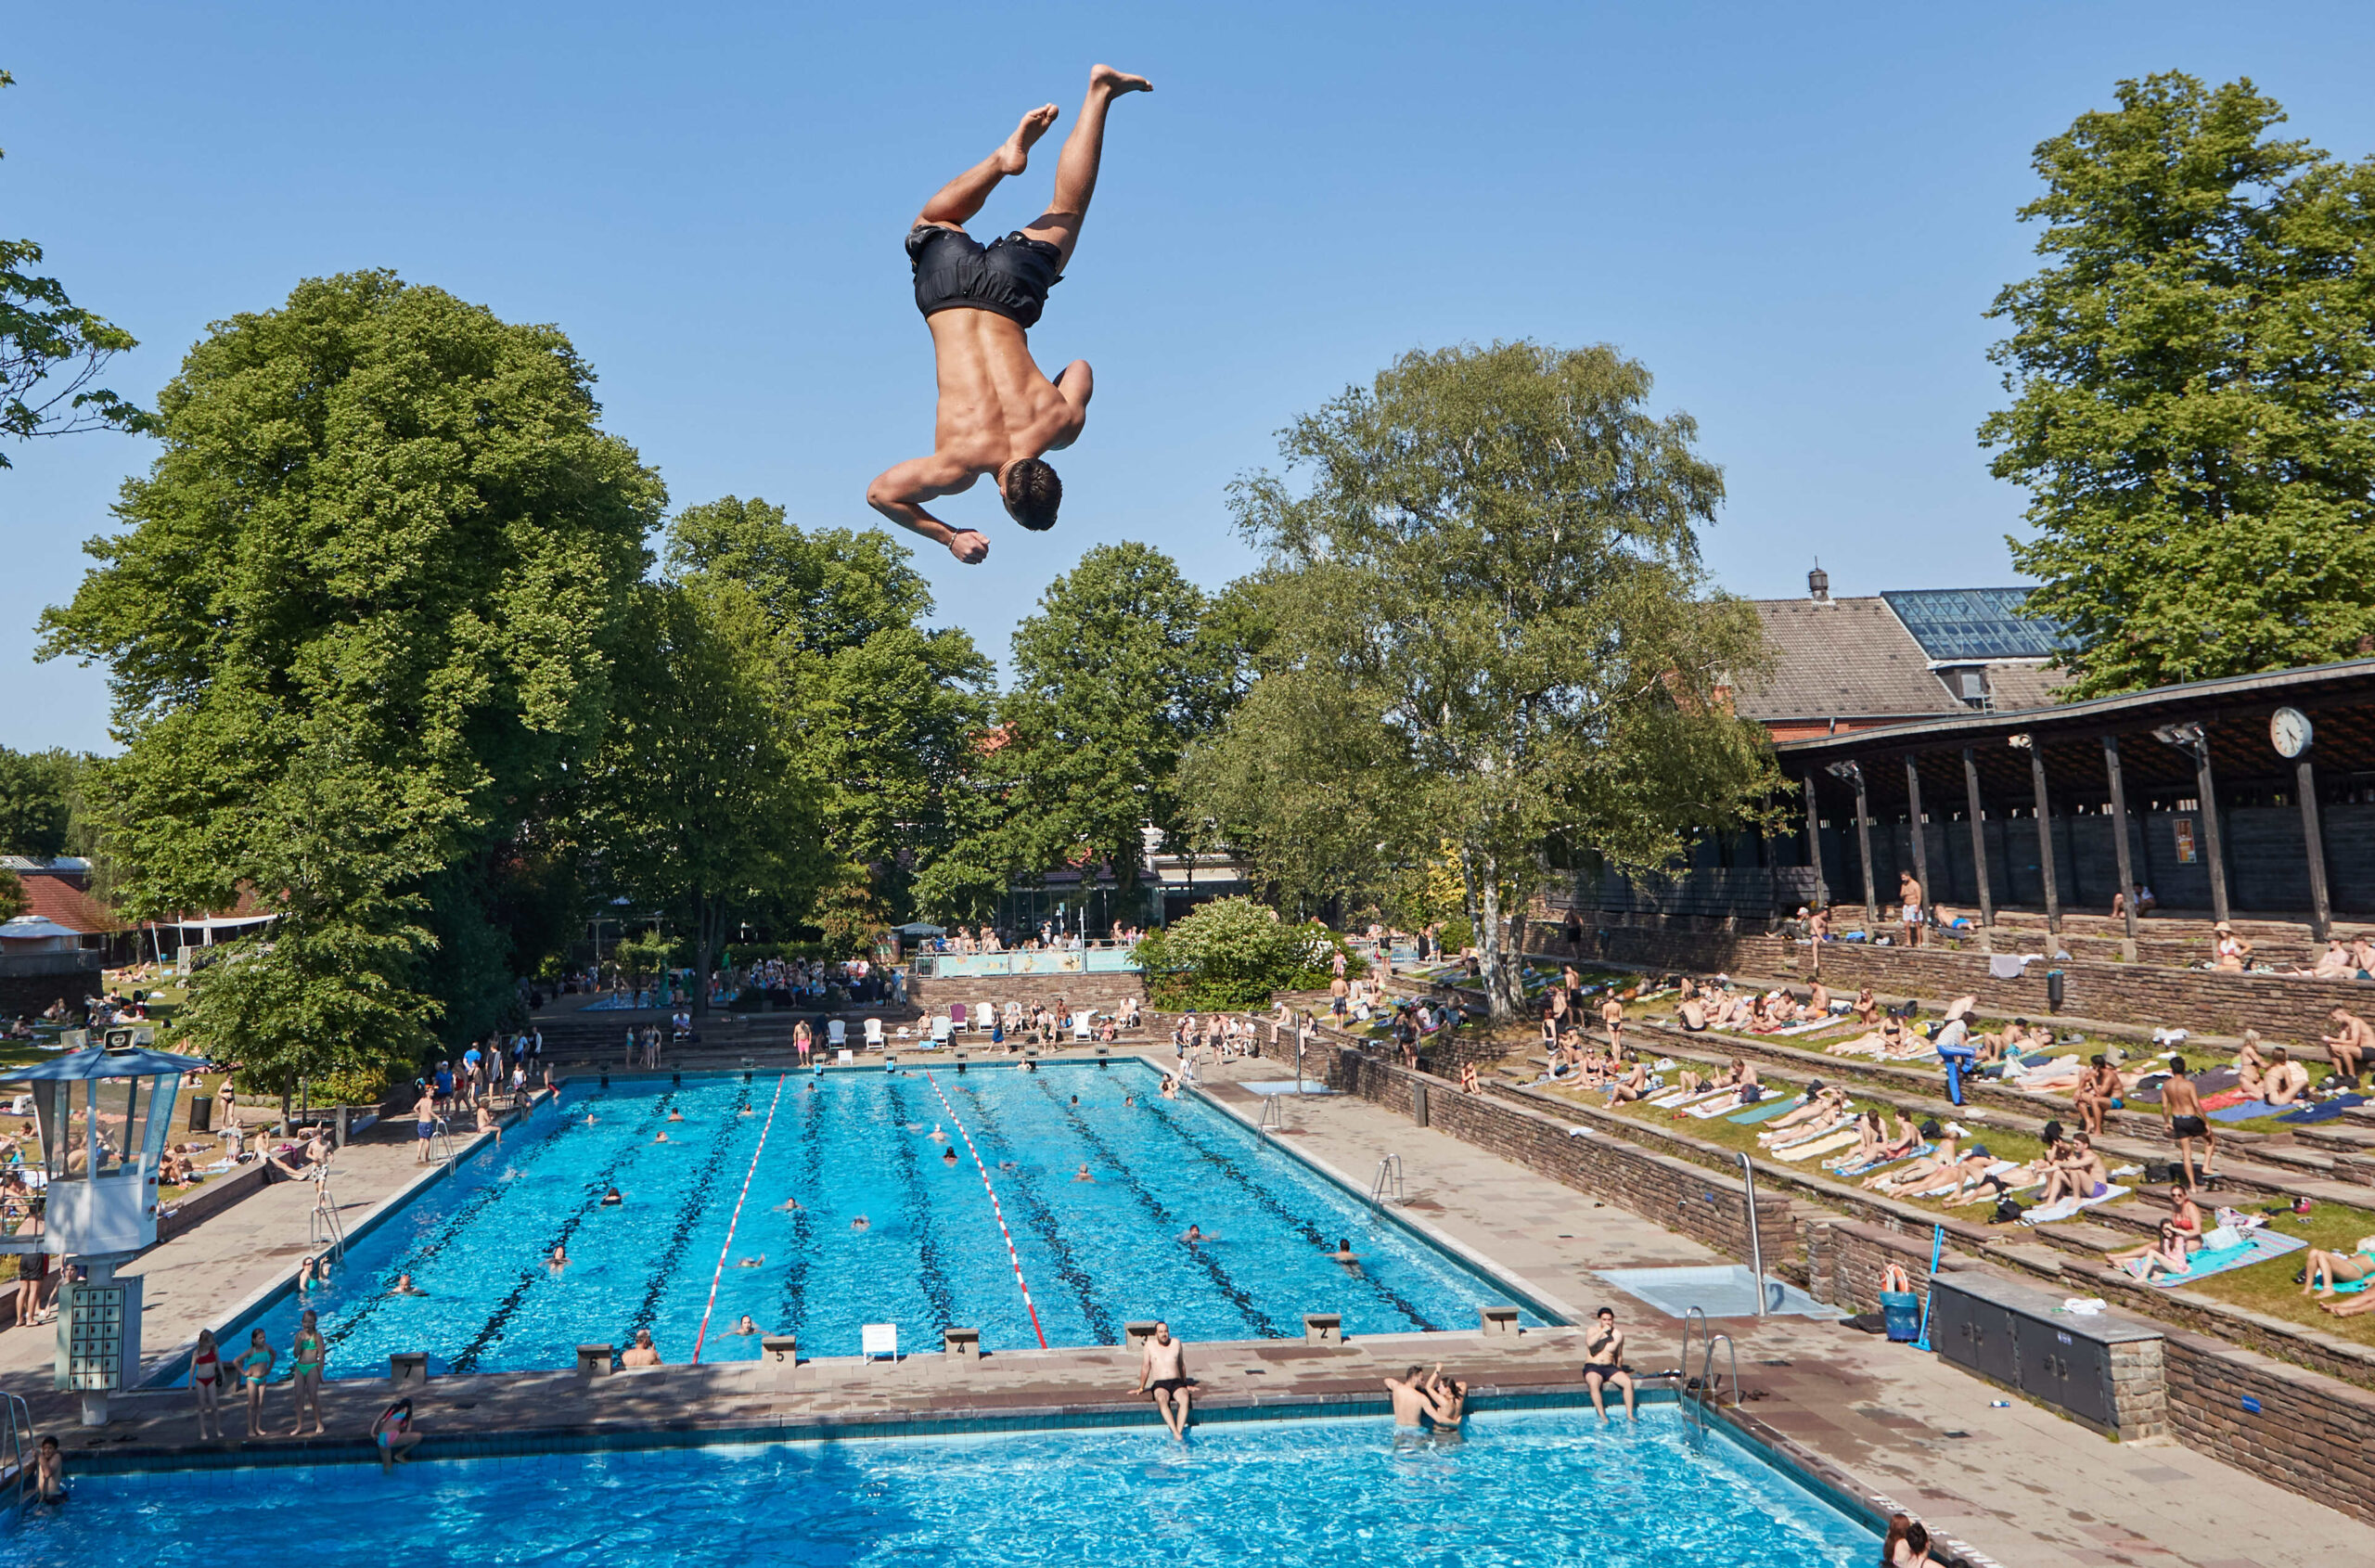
(1604, 1362)
(393, 1435)
(1162, 1368)
(642, 1352)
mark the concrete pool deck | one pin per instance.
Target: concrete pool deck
(2019, 1484)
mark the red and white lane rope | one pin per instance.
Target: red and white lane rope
(719, 1273)
(1000, 1214)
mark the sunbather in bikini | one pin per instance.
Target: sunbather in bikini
(1871, 1136)
(2325, 1270)
(1992, 1188)
(1635, 1086)
(1927, 1169)
(2063, 1073)
(2165, 1254)
(1967, 1171)
(1867, 1007)
(1823, 1104)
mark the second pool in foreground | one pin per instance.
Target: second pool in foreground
(1520, 1488)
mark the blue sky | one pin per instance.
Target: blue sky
(1794, 216)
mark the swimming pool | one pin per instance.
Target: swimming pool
(1519, 1488)
(852, 1145)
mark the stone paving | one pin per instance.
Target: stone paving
(2017, 1484)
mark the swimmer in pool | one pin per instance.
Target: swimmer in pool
(861, 1223)
(662, 1139)
(936, 1135)
(1076, 1100)
(759, 1261)
(789, 1206)
(589, 1118)
(1196, 1234)
(1344, 1256)
(745, 1325)
(948, 1156)
(746, 1110)
(404, 1287)
(559, 1260)
(675, 1115)
(612, 1200)
(1129, 1099)
(1007, 1165)
(1082, 1175)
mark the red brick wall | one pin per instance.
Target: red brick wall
(2310, 1434)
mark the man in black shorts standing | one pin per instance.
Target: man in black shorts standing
(997, 411)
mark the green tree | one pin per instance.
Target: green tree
(1235, 953)
(360, 623)
(882, 713)
(703, 814)
(35, 803)
(51, 350)
(1489, 627)
(1115, 675)
(2193, 381)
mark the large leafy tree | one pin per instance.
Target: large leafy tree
(1114, 675)
(361, 620)
(36, 801)
(51, 350)
(2193, 376)
(703, 814)
(880, 715)
(1488, 627)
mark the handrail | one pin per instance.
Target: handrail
(1707, 1371)
(16, 1461)
(1707, 1329)
(1755, 1241)
(1386, 1186)
(322, 1224)
(1273, 1118)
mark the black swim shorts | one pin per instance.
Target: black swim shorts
(1008, 278)
(2188, 1126)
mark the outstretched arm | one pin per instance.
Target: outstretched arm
(898, 493)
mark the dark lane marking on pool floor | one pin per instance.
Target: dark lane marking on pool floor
(688, 1218)
(933, 1276)
(490, 1333)
(794, 1315)
(1269, 1201)
(426, 1250)
(1219, 1276)
(1041, 1219)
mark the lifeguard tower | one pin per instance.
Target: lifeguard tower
(105, 1114)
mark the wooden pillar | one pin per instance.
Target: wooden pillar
(1913, 812)
(2045, 840)
(1978, 840)
(2210, 845)
(1813, 845)
(2119, 839)
(2321, 911)
(1864, 848)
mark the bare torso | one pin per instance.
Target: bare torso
(995, 404)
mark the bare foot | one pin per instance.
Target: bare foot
(969, 546)
(1117, 82)
(1015, 155)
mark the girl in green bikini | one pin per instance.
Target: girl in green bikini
(254, 1365)
(306, 1361)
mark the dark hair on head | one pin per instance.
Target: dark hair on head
(2050, 1133)
(2177, 1065)
(1604, 1312)
(1032, 493)
(1917, 1538)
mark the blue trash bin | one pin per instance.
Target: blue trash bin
(1903, 1310)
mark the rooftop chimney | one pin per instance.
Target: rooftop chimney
(1819, 584)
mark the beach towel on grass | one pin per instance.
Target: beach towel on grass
(1949, 1187)
(1867, 1169)
(2325, 1112)
(1717, 1106)
(2047, 1213)
(1807, 1028)
(2246, 1111)
(1671, 1101)
(1766, 1111)
(2258, 1246)
(1823, 1144)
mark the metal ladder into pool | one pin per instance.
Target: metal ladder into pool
(1705, 1394)
(1386, 1186)
(1273, 1118)
(18, 1471)
(441, 1144)
(328, 1236)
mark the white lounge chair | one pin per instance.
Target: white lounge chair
(1080, 1022)
(837, 1034)
(984, 1017)
(874, 1034)
(940, 1028)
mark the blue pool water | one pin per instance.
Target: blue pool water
(1096, 1255)
(1532, 1488)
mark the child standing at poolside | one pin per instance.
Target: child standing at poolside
(254, 1365)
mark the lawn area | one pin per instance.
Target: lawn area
(2269, 1287)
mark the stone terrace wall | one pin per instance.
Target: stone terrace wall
(2310, 1434)
(1682, 1197)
